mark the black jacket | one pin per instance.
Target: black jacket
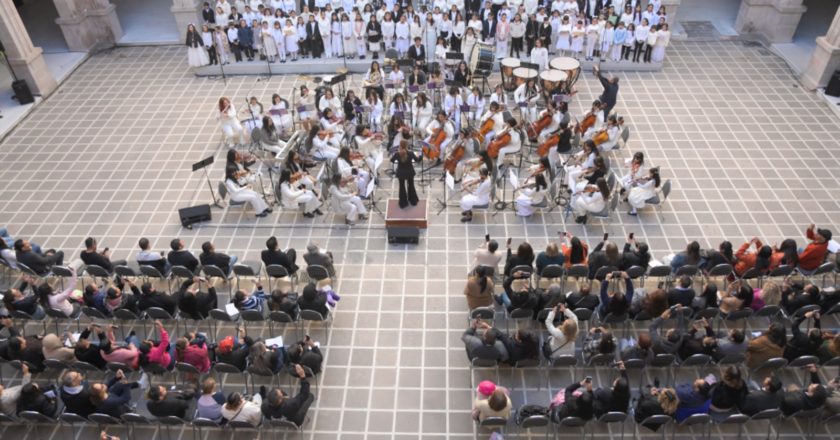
(209, 16)
(759, 400)
(647, 405)
(488, 28)
(800, 344)
(610, 94)
(157, 299)
(78, 403)
(374, 34)
(683, 297)
(170, 406)
(318, 304)
(794, 401)
(184, 258)
(196, 306)
(281, 258)
(97, 259)
(405, 169)
(293, 408)
(92, 354)
(218, 259)
(40, 264)
(417, 54)
(606, 399)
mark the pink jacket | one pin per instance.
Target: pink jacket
(196, 356)
(159, 354)
(129, 355)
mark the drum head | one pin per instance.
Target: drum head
(510, 62)
(524, 73)
(553, 75)
(482, 58)
(564, 63)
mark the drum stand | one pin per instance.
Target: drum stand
(484, 86)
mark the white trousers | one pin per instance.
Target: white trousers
(252, 197)
(352, 208)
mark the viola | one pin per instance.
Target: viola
(600, 137)
(546, 146)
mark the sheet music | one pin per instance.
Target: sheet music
(377, 161)
(231, 310)
(274, 342)
(833, 246)
(450, 181)
(514, 181)
(320, 172)
(370, 187)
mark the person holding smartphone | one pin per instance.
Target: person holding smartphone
(91, 257)
(578, 402)
(487, 254)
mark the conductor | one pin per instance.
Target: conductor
(404, 158)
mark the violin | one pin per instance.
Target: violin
(500, 140)
(537, 127)
(435, 141)
(465, 187)
(455, 156)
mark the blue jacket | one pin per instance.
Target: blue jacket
(246, 36)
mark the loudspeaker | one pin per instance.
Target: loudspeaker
(403, 235)
(194, 214)
(22, 92)
(833, 87)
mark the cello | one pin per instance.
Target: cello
(546, 145)
(538, 126)
(485, 128)
(500, 140)
(455, 156)
(587, 122)
(435, 141)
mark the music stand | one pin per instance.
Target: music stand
(203, 164)
(447, 179)
(339, 80)
(529, 65)
(370, 193)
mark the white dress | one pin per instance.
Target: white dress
(564, 37)
(421, 116)
(588, 202)
(403, 32)
(347, 37)
(577, 39)
(269, 45)
(480, 197)
(197, 56)
(662, 40)
(291, 39)
(640, 193)
(527, 199)
(539, 56)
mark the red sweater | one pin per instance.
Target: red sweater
(814, 254)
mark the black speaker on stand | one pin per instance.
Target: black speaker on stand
(833, 87)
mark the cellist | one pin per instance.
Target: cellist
(463, 149)
(440, 133)
(593, 121)
(554, 123)
(491, 122)
(506, 141)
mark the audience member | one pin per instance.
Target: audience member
(804, 344)
(179, 256)
(524, 257)
(209, 405)
(60, 301)
(237, 409)
(193, 303)
(192, 349)
(209, 257)
(572, 403)
(562, 337)
(15, 300)
(655, 401)
(550, 256)
(278, 405)
(280, 301)
(613, 399)
(523, 345)
(735, 343)
(35, 260)
(673, 339)
(307, 353)
(91, 257)
(764, 398)
(635, 253)
(148, 258)
(274, 255)
(574, 250)
(479, 289)
(114, 397)
(317, 257)
(85, 351)
(769, 345)
(609, 257)
(34, 398)
(814, 254)
(234, 350)
(691, 256)
(9, 396)
(486, 346)
(498, 404)
(683, 294)
(641, 349)
(161, 403)
(583, 298)
(312, 299)
(813, 396)
(613, 301)
(150, 297)
(75, 394)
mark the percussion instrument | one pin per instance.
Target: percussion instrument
(523, 74)
(551, 80)
(482, 58)
(571, 67)
(508, 64)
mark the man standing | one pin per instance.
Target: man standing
(610, 94)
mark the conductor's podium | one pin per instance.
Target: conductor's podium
(404, 225)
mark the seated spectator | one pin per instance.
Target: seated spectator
(612, 399)
(486, 346)
(479, 289)
(691, 256)
(573, 403)
(635, 253)
(832, 402)
(706, 344)
(789, 251)
(563, 337)
(729, 392)
(608, 257)
(764, 398)
(111, 298)
(160, 352)
(523, 345)
(551, 297)
(736, 297)
(114, 397)
(15, 300)
(488, 255)
(317, 257)
(641, 349)
(804, 344)
(264, 360)
(280, 302)
(209, 405)
(734, 343)
(274, 255)
(549, 257)
(770, 294)
(54, 348)
(278, 405)
(771, 344)
(234, 350)
(35, 260)
(312, 299)
(812, 397)
(27, 349)
(193, 303)
(723, 255)
(795, 296)
(583, 298)
(708, 298)
(92, 257)
(128, 354)
(498, 404)
(613, 301)
(34, 398)
(574, 250)
(673, 339)
(830, 348)
(60, 301)
(148, 258)
(192, 349)
(683, 294)
(518, 293)
(813, 255)
(762, 259)
(209, 257)
(655, 401)
(7, 254)
(524, 257)
(307, 353)
(75, 394)
(253, 301)
(148, 297)
(85, 351)
(599, 341)
(163, 404)
(9, 396)
(179, 256)
(648, 305)
(237, 409)
(694, 398)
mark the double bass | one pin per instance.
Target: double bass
(435, 141)
(500, 140)
(455, 156)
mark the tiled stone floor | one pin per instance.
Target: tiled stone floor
(109, 155)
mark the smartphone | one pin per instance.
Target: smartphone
(486, 237)
(561, 233)
(606, 236)
(588, 379)
(510, 240)
(632, 234)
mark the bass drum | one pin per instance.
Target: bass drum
(482, 58)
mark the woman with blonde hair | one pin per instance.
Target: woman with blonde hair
(550, 256)
(656, 401)
(770, 294)
(563, 336)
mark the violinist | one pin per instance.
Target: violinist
(554, 123)
(351, 101)
(531, 194)
(635, 172)
(499, 96)
(369, 145)
(477, 194)
(345, 202)
(400, 131)
(294, 193)
(527, 93)
(352, 175)
(325, 146)
(470, 167)
(299, 171)
(405, 160)
(607, 138)
(580, 163)
(593, 198)
(332, 123)
(592, 121)
(440, 133)
(491, 122)
(512, 146)
(374, 101)
(240, 191)
(268, 138)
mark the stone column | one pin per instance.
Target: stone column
(26, 60)
(87, 24)
(671, 7)
(186, 12)
(775, 21)
(825, 59)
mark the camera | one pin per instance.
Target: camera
(616, 274)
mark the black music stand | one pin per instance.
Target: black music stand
(529, 65)
(442, 202)
(203, 164)
(339, 80)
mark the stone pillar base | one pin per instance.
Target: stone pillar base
(775, 21)
(671, 8)
(35, 71)
(824, 61)
(96, 28)
(183, 17)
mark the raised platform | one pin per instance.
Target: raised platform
(331, 66)
(411, 217)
